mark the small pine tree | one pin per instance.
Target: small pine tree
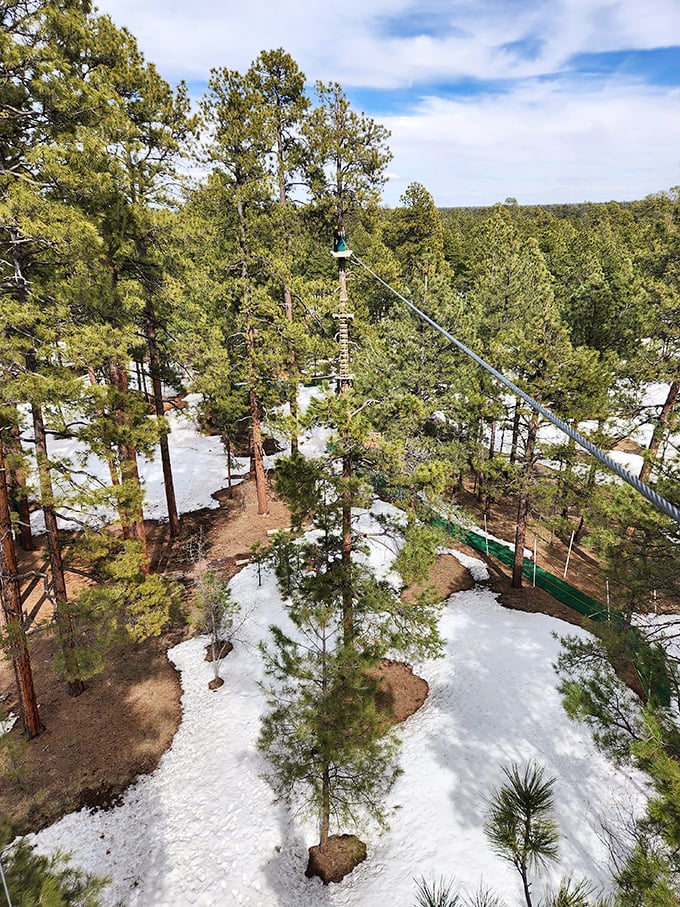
(31, 878)
(323, 735)
(520, 827)
(217, 613)
(437, 893)
(484, 897)
(574, 894)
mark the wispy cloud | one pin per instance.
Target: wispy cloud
(545, 100)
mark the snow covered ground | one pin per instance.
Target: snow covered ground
(203, 830)
(199, 466)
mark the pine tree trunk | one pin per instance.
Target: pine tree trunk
(515, 433)
(154, 362)
(17, 484)
(343, 385)
(257, 454)
(293, 370)
(523, 504)
(660, 429)
(10, 598)
(347, 597)
(63, 620)
(227, 449)
(133, 522)
(325, 816)
(525, 885)
(324, 825)
(293, 374)
(492, 439)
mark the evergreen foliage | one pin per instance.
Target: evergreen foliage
(436, 893)
(33, 878)
(108, 259)
(520, 826)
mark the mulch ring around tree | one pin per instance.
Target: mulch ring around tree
(338, 857)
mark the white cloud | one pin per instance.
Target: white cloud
(345, 41)
(540, 144)
(546, 139)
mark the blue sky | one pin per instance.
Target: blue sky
(542, 100)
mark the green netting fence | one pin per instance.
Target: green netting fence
(649, 660)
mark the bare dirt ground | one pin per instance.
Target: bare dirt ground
(95, 745)
(584, 571)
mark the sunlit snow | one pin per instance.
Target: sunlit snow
(203, 830)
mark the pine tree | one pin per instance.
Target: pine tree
(415, 232)
(12, 616)
(281, 85)
(238, 149)
(520, 826)
(32, 878)
(326, 741)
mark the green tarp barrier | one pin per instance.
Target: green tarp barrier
(559, 589)
(649, 660)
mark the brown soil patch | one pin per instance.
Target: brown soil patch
(446, 577)
(340, 855)
(584, 572)
(401, 692)
(626, 445)
(94, 746)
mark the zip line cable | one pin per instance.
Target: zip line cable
(659, 502)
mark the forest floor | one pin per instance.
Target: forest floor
(95, 745)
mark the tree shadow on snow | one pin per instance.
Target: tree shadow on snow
(497, 702)
(285, 871)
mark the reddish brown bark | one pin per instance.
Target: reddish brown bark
(10, 598)
(63, 621)
(155, 368)
(132, 518)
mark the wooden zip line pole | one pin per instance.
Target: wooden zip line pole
(343, 383)
(341, 253)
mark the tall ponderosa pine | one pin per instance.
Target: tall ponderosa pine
(347, 157)
(238, 148)
(281, 86)
(660, 262)
(42, 234)
(525, 338)
(147, 139)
